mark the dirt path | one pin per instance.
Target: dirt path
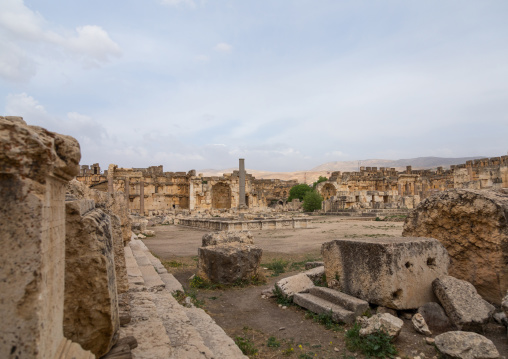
(242, 312)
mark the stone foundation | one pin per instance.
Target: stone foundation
(238, 225)
(391, 272)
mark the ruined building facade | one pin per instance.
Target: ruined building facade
(385, 188)
(153, 191)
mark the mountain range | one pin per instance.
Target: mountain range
(348, 166)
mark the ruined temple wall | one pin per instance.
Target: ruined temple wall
(35, 165)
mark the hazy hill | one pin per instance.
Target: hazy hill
(346, 166)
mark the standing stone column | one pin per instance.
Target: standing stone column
(127, 189)
(141, 196)
(35, 167)
(242, 184)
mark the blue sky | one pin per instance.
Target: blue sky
(287, 85)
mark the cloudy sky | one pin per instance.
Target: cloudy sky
(286, 84)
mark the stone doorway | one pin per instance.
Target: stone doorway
(328, 191)
(221, 196)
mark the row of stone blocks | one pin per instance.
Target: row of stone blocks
(62, 259)
(163, 327)
(263, 224)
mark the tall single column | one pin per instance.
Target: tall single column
(141, 196)
(242, 184)
(127, 188)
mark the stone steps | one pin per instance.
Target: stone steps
(353, 304)
(183, 333)
(343, 308)
(222, 346)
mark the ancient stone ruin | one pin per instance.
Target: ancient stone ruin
(35, 167)
(392, 272)
(385, 191)
(228, 257)
(473, 227)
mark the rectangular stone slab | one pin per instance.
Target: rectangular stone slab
(393, 272)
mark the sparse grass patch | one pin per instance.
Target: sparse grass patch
(246, 346)
(182, 296)
(278, 266)
(325, 319)
(375, 345)
(321, 281)
(202, 283)
(281, 298)
(273, 343)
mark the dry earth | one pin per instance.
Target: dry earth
(243, 312)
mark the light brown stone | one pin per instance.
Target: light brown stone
(465, 345)
(393, 272)
(385, 322)
(295, 284)
(222, 237)
(229, 263)
(91, 304)
(463, 305)
(473, 227)
(35, 166)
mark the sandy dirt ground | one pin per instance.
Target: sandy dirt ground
(242, 312)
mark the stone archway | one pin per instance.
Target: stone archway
(221, 196)
(328, 191)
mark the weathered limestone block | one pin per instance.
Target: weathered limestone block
(222, 237)
(91, 304)
(229, 263)
(435, 316)
(473, 227)
(315, 273)
(138, 224)
(462, 303)
(465, 345)
(393, 272)
(111, 203)
(420, 325)
(295, 284)
(386, 322)
(122, 282)
(35, 166)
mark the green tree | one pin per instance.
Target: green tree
(320, 179)
(312, 201)
(298, 191)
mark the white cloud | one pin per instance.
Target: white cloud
(23, 33)
(82, 127)
(223, 47)
(176, 3)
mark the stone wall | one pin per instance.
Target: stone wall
(473, 226)
(91, 304)
(35, 166)
(385, 188)
(153, 191)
